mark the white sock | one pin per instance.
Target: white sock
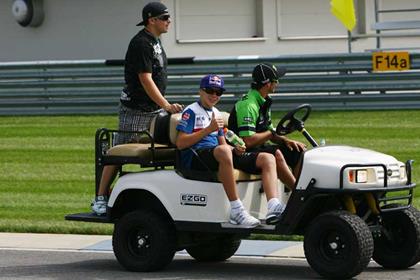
(236, 206)
(272, 203)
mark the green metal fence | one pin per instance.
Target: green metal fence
(328, 82)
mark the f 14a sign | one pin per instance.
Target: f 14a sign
(390, 61)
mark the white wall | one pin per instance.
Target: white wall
(101, 29)
(76, 29)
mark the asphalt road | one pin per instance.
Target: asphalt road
(50, 264)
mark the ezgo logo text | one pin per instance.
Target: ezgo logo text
(193, 199)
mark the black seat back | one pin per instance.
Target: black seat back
(159, 128)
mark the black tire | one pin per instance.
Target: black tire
(338, 245)
(217, 250)
(143, 241)
(399, 245)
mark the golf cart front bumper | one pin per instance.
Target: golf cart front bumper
(387, 197)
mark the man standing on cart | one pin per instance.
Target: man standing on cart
(143, 95)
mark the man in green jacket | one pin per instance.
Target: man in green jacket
(251, 119)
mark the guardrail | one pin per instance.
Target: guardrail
(328, 82)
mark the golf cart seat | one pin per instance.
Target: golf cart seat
(142, 150)
(149, 149)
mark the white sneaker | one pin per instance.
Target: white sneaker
(244, 219)
(99, 205)
(274, 215)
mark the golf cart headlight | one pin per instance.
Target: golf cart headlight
(403, 173)
(361, 176)
(358, 176)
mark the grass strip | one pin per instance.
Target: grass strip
(48, 161)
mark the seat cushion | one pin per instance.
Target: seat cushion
(211, 176)
(243, 176)
(162, 152)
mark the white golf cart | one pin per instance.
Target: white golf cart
(350, 204)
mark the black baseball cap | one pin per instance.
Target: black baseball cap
(264, 73)
(153, 9)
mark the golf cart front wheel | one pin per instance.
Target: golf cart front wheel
(338, 245)
(398, 247)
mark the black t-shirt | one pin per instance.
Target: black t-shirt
(145, 54)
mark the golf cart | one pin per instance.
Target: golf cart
(350, 204)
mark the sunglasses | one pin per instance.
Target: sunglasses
(164, 17)
(213, 91)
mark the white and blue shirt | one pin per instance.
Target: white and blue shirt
(195, 118)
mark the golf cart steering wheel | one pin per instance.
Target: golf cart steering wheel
(294, 120)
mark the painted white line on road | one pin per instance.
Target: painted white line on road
(111, 252)
(55, 250)
(269, 257)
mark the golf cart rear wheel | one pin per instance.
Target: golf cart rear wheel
(217, 250)
(398, 247)
(338, 245)
(143, 241)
